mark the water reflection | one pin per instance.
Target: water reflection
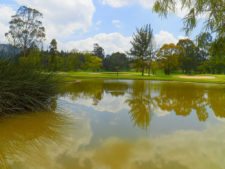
(36, 140)
(183, 99)
(216, 99)
(140, 103)
(95, 129)
(145, 98)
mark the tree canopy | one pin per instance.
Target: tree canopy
(98, 51)
(142, 46)
(26, 29)
(168, 56)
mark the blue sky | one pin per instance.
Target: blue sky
(77, 24)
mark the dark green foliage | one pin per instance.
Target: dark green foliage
(217, 53)
(98, 51)
(168, 57)
(142, 47)
(189, 57)
(24, 89)
(116, 62)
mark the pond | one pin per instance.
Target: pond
(120, 124)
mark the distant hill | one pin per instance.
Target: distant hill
(7, 50)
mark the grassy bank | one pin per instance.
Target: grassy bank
(24, 89)
(71, 76)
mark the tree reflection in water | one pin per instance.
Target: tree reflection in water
(58, 140)
(140, 103)
(146, 97)
(216, 99)
(183, 99)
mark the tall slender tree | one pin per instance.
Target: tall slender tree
(26, 30)
(99, 51)
(142, 47)
(203, 44)
(53, 46)
(53, 53)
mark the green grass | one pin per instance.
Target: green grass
(71, 76)
(24, 89)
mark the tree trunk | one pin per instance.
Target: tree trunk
(142, 67)
(143, 70)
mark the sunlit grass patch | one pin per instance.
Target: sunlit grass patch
(208, 78)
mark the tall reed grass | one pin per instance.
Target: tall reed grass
(23, 88)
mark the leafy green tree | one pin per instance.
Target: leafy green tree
(98, 51)
(26, 30)
(53, 54)
(117, 61)
(217, 56)
(92, 62)
(168, 57)
(142, 47)
(203, 44)
(33, 59)
(189, 59)
(213, 9)
(53, 46)
(204, 41)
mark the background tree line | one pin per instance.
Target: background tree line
(206, 54)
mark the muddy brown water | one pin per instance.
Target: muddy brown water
(120, 124)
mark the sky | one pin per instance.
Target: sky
(78, 24)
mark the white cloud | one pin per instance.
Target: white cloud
(117, 23)
(114, 42)
(164, 37)
(146, 3)
(122, 3)
(5, 15)
(98, 25)
(105, 105)
(111, 42)
(180, 12)
(117, 3)
(63, 18)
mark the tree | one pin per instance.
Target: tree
(26, 29)
(33, 59)
(53, 46)
(217, 56)
(189, 58)
(203, 44)
(213, 9)
(98, 51)
(204, 41)
(142, 46)
(92, 62)
(168, 56)
(117, 61)
(53, 53)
